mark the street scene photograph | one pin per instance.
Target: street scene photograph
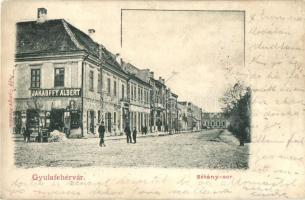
(124, 87)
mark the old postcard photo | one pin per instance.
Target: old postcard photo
(153, 100)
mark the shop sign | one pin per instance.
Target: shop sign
(66, 92)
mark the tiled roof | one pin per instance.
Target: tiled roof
(48, 37)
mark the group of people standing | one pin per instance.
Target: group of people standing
(131, 138)
(128, 134)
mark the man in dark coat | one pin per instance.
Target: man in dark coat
(145, 130)
(101, 131)
(128, 134)
(134, 135)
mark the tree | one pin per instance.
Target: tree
(236, 105)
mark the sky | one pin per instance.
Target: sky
(195, 45)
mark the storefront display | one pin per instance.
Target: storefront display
(75, 119)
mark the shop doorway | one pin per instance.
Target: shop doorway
(125, 122)
(57, 119)
(75, 119)
(90, 121)
(32, 119)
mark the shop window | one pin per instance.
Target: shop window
(59, 80)
(91, 79)
(35, 78)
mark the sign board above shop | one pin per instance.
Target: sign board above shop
(64, 92)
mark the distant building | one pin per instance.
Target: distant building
(214, 120)
(158, 105)
(182, 116)
(172, 111)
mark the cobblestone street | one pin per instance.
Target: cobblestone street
(205, 149)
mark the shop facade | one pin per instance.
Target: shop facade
(51, 95)
(59, 78)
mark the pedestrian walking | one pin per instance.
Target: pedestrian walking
(128, 134)
(145, 130)
(101, 131)
(134, 135)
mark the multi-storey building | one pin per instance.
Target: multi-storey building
(192, 114)
(139, 97)
(158, 105)
(172, 111)
(182, 116)
(115, 103)
(196, 115)
(66, 80)
(187, 114)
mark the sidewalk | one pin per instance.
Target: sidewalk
(154, 134)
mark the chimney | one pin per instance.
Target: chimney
(41, 15)
(152, 74)
(91, 32)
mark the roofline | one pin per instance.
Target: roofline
(47, 55)
(115, 70)
(132, 76)
(160, 82)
